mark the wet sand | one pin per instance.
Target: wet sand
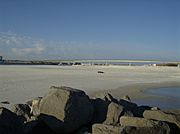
(139, 90)
(19, 84)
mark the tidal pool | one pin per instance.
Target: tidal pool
(169, 98)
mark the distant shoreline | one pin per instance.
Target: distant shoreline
(91, 62)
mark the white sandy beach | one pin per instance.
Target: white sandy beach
(19, 84)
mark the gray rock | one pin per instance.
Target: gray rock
(145, 130)
(128, 113)
(136, 110)
(65, 109)
(140, 110)
(127, 98)
(106, 97)
(83, 130)
(106, 129)
(37, 127)
(101, 102)
(173, 111)
(109, 129)
(162, 116)
(129, 106)
(113, 114)
(22, 110)
(9, 122)
(155, 108)
(137, 122)
(35, 103)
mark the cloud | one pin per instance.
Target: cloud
(20, 47)
(14, 46)
(37, 49)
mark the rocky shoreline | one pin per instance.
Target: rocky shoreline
(65, 110)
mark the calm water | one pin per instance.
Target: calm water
(170, 98)
(132, 63)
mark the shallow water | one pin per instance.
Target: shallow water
(169, 92)
(169, 98)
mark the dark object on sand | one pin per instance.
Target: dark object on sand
(100, 72)
(5, 102)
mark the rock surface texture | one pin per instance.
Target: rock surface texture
(65, 110)
(162, 116)
(114, 112)
(9, 122)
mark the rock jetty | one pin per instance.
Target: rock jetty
(66, 110)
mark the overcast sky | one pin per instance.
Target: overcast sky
(90, 29)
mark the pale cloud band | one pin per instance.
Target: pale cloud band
(13, 46)
(17, 46)
(37, 49)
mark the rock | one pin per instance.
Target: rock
(113, 114)
(134, 108)
(128, 113)
(101, 102)
(106, 97)
(128, 105)
(155, 108)
(130, 108)
(173, 111)
(66, 109)
(22, 110)
(126, 98)
(162, 116)
(137, 122)
(109, 129)
(34, 104)
(100, 110)
(37, 127)
(83, 130)
(140, 110)
(106, 129)
(145, 130)
(9, 122)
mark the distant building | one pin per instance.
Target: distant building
(1, 58)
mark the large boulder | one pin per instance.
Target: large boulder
(136, 110)
(106, 97)
(162, 116)
(101, 102)
(145, 130)
(113, 113)
(9, 122)
(106, 129)
(128, 105)
(65, 109)
(110, 129)
(37, 127)
(83, 130)
(137, 122)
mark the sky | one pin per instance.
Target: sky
(90, 29)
